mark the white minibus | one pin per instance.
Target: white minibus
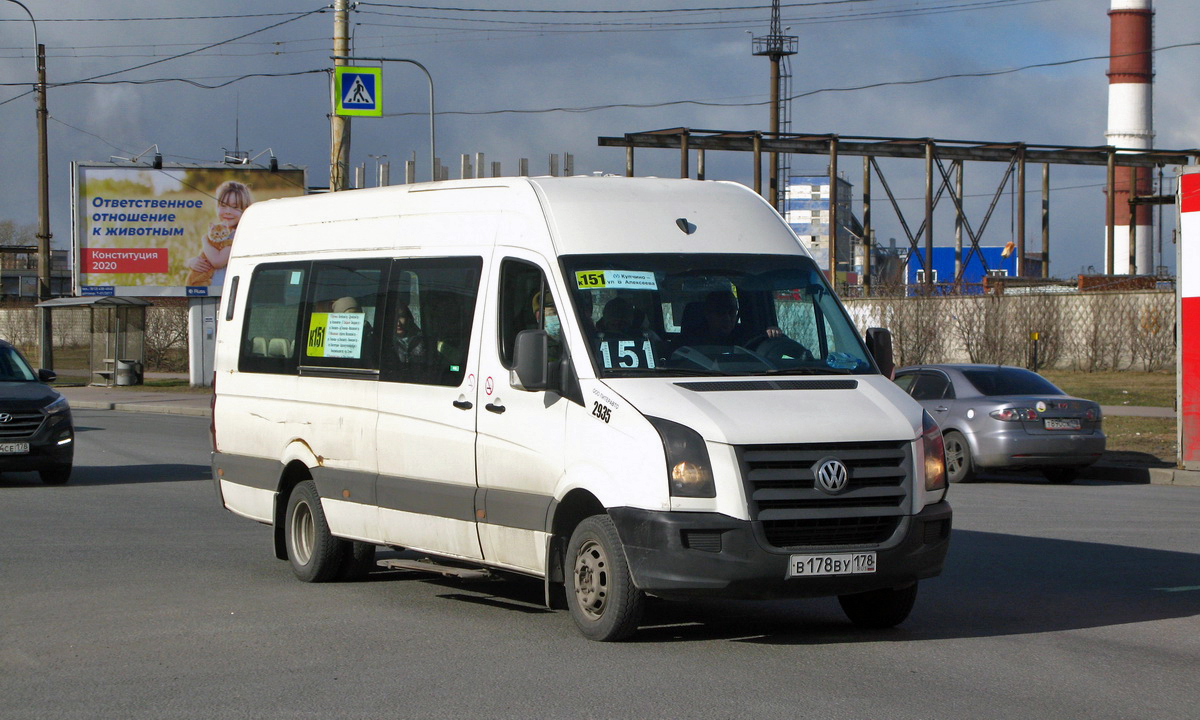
(625, 387)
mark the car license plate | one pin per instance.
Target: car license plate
(14, 448)
(1063, 424)
(833, 564)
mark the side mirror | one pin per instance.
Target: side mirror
(530, 361)
(879, 344)
(47, 376)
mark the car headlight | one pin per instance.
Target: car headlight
(935, 453)
(689, 472)
(58, 406)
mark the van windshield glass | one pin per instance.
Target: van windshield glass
(711, 314)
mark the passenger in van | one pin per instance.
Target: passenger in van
(408, 342)
(548, 320)
(348, 304)
(617, 318)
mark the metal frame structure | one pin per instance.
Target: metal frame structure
(936, 153)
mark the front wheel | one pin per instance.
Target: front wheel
(55, 474)
(879, 609)
(958, 458)
(604, 602)
(315, 554)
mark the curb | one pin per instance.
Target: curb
(1143, 475)
(144, 407)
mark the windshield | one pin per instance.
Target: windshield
(711, 314)
(13, 366)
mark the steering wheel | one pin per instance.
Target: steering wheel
(778, 348)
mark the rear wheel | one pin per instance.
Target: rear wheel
(958, 458)
(879, 609)
(55, 474)
(604, 602)
(315, 554)
(359, 560)
(1061, 475)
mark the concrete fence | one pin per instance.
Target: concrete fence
(1088, 332)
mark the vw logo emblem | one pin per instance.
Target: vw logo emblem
(5, 417)
(832, 475)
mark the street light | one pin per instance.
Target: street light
(43, 234)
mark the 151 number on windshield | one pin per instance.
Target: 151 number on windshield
(627, 353)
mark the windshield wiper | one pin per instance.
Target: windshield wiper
(804, 371)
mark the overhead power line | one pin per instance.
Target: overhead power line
(636, 11)
(160, 18)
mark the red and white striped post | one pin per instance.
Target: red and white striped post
(1188, 326)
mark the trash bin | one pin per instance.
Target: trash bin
(127, 372)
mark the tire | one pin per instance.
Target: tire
(55, 474)
(315, 554)
(601, 596)
(359, 560)
(879, 609)
(959, 466)
(1061, 475)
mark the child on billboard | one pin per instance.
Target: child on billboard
(208, 268)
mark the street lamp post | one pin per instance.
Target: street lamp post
(432, 149)
(43, 234)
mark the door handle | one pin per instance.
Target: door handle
(941, 408)
(463, 404)
(493, 407)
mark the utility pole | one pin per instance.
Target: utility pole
(339, 127)
(776, 46)
(43, 235)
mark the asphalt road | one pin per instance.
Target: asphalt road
(130, 593)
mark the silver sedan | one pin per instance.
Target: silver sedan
(995, 417)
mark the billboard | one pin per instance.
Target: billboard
(142, 231)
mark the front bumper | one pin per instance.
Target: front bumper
(681, 554)
(45, 450)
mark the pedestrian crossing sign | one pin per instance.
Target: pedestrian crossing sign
(358, 91)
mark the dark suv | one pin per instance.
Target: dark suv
(36, 432)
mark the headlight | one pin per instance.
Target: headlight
(58, 406)
(689, 472)
(935, 453)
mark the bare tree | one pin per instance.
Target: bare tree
(166, 339)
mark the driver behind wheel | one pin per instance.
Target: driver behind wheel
(721, 326)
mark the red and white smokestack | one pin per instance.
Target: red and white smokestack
(1131, 125)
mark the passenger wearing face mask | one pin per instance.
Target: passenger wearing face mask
(546, 317)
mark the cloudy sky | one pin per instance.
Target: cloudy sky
(527, 78)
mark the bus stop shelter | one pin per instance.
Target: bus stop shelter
(116, 330)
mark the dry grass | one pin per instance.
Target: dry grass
(1126, 387)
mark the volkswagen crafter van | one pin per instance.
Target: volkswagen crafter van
(623, 386)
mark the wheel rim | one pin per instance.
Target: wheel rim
(591, 579)
(954, 457)
(303, 533)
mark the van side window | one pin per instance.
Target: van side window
(341, 323)
(526, 304)
(272, 319)
(426, 330)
